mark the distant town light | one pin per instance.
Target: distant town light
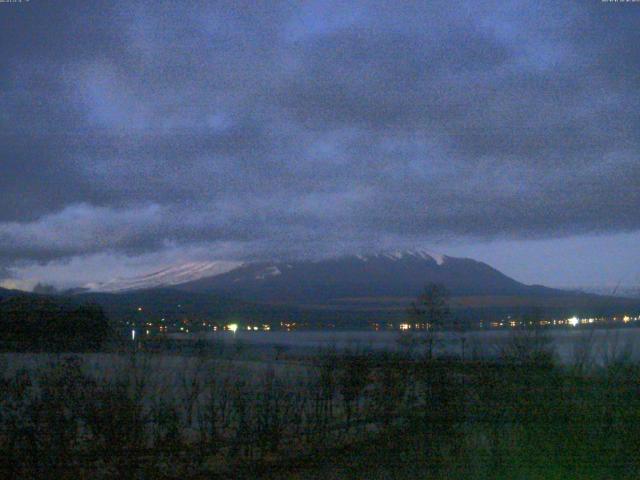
(133, 335)
(139, 309)
(573, 321)
(233, 327)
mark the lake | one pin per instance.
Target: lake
(602, 344)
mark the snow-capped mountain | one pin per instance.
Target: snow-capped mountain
(386, 281)
(339, 280)
(169, 276)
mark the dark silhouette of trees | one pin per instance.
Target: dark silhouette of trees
(45, 323)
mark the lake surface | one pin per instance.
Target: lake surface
(599, 344)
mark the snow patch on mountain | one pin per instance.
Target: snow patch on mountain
(268, 272)
(425, 254)
(169, 276)
(402, 254)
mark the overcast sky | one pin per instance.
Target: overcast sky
(135, 135)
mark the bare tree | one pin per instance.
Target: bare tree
(192, 383)
(431, 311)
(528, 344)
(353, 373)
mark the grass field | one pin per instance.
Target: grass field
(334, 414)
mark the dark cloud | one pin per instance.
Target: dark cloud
(128, 127)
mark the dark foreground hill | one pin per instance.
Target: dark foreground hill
(172, 304)
(36, 322)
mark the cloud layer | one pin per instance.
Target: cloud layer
(263, 129)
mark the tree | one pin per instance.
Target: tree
(353, 377)
(431, 309)
(48, 323)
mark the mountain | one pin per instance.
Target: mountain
(171, 303)
(628, 291)
(393, 274)
(383, 282)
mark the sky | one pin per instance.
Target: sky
(140, 134)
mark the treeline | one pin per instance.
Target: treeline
(42, 323)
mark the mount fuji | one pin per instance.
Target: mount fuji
(386, 281)
(395, 274)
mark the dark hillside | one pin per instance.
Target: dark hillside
(34, 322)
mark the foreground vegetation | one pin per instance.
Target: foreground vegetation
(349, 414)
